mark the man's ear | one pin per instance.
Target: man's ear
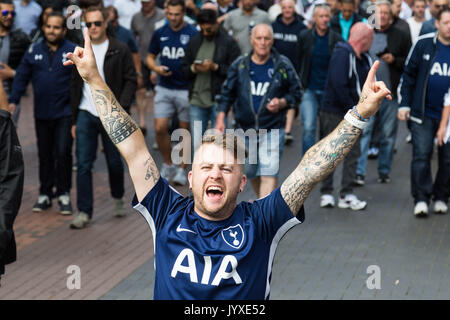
(243, 183)
(190, 179)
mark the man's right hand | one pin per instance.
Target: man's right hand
(73, 131)
(84, 60)
(220, 122)
(403, 114)
(12, 108)
(163, 71)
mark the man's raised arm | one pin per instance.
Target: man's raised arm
(121, 128)
(325, 155)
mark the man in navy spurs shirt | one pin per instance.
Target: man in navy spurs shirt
(210, 247)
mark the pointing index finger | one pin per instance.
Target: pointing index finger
(373, 72)
(87, 40)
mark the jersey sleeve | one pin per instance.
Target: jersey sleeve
(159, 202)
(273, 217)
(154, 46)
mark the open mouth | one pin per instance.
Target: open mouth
(214, 192)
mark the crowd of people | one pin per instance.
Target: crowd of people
(250, 65)
(247, 64)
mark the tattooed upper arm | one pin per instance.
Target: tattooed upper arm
(317, 163)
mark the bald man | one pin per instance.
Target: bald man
(349, 65)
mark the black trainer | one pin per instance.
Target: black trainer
(288, 138)
(384, 178)
(359, 180)
(43, 203)
(65, 207)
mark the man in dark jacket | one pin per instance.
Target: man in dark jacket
(42, 64)
(424, 83)
(345, 18)
(205, 65)
(261, 86)
(13, 44)
(11, 182)
(314, 52)
(115, 64)
(390, 46)
(349, 65)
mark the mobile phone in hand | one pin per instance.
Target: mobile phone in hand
(198, 62)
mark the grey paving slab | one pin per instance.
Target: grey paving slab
(327, 256)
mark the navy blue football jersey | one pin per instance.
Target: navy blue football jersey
(171, 45)
(196, 258)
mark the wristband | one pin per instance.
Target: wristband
(358, 115)
(355, 122)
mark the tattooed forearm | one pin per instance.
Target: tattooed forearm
(152, 172)
(318, 163)
(118, 124)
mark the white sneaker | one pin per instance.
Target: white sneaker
(350, 201)
(421, 209)
(167, 172)
(327, 201)
(180, 177)
(440, 207)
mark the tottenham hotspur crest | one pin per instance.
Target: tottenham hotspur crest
(233, 236)
(184, 39)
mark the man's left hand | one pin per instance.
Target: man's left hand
(372, 94)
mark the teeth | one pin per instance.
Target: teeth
(214, 189)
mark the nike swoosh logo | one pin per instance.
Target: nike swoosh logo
(164, 38)
(180, 229)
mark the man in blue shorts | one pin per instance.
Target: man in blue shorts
(261, 86)
(171, 92)
(210, 247)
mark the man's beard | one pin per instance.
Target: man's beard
(54, 42)
(8, 28)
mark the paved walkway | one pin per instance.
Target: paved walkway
(327, 257)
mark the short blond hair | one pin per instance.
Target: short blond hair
(227, 141)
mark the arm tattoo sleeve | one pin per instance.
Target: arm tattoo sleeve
(318, 163)
(118, 124)
(152, 172)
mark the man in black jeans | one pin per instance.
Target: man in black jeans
(42, 64)
(349, 66)
(11, 182)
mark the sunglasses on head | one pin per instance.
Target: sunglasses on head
(96, 23)
(5, 13)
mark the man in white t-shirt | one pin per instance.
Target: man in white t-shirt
(127, 9)
(415, 22)
(115, 65)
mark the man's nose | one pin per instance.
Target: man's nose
(215, 173)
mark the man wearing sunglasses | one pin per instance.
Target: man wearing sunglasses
(13, 44)
(115, 65)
